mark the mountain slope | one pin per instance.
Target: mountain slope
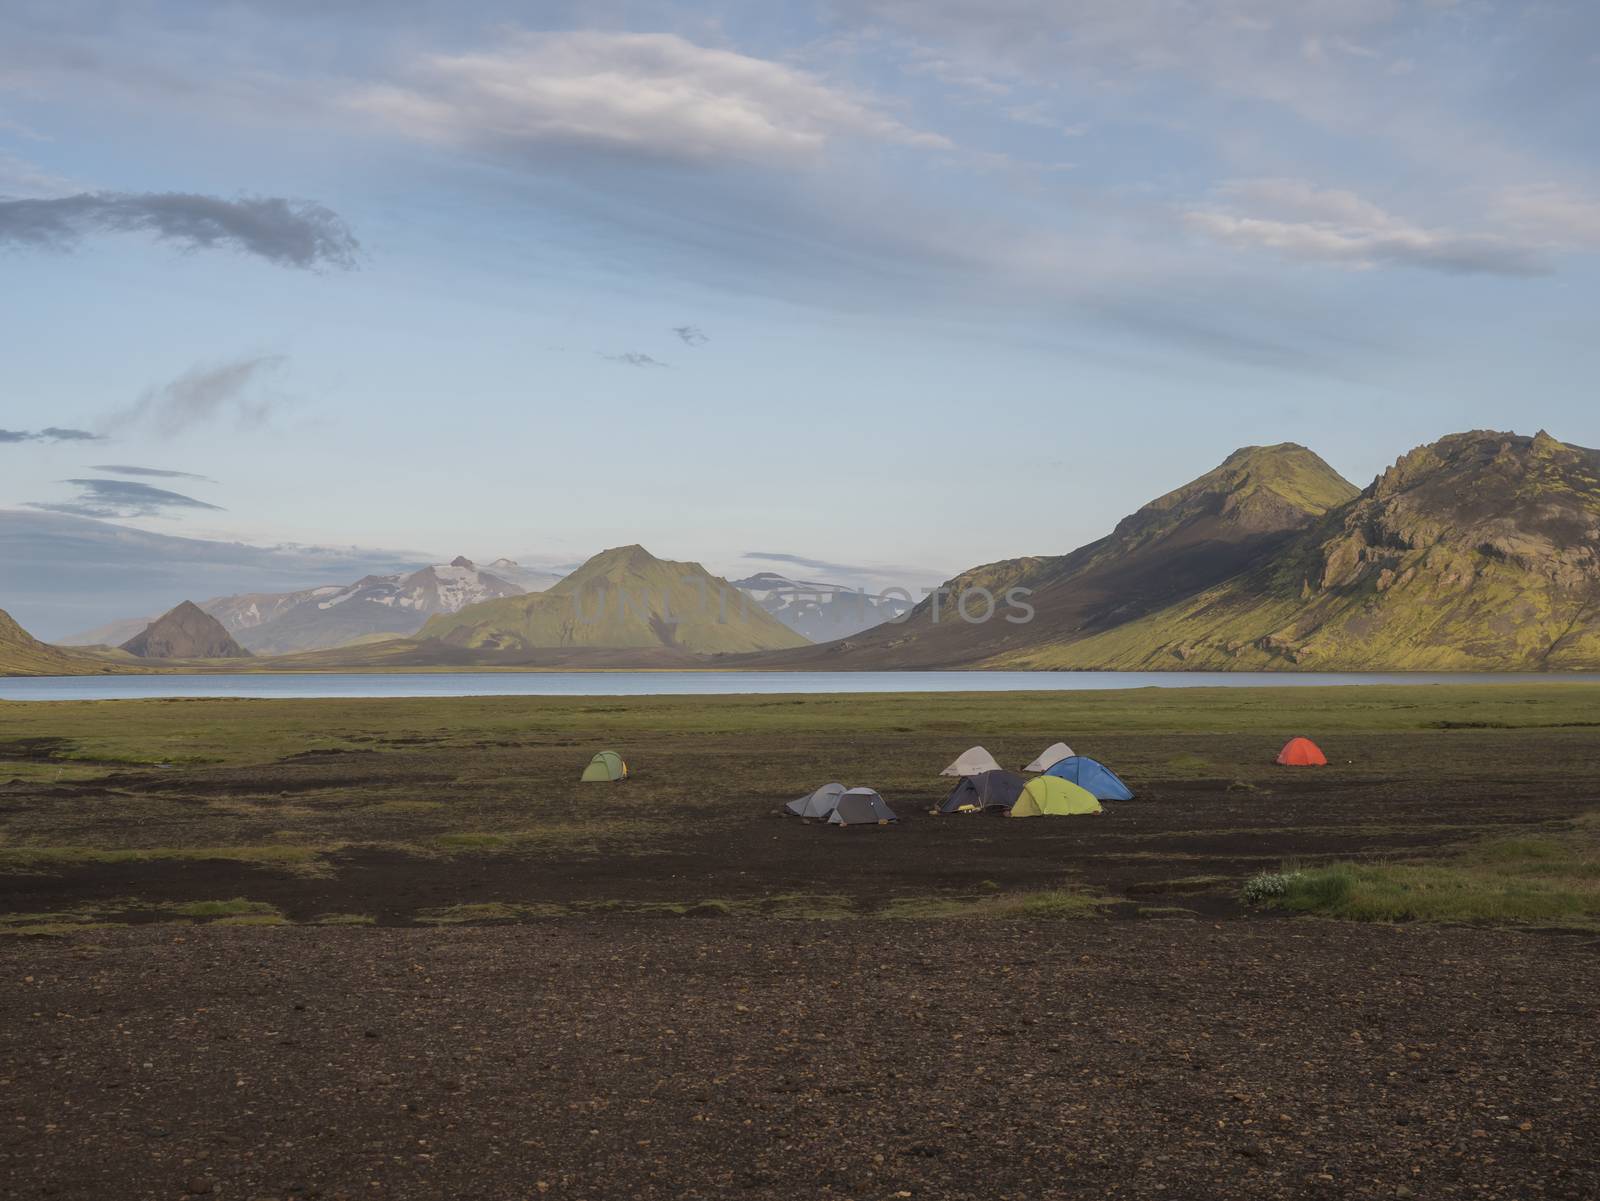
(187, 632)
(331, 615)
(621, 598)
(1480, 551)
(113, 633)
(1230, 519)
(23, 655)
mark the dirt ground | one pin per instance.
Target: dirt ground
(665, 989)
(604, 1058)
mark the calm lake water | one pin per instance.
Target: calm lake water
(705, 683)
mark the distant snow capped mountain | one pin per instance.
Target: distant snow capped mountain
(442, 588)
(277, 623)
(255, 609)
(319, 618)
(821, 612)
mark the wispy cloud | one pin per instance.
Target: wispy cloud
(48, 434)
(121, 498)
(1553, 214)
(802, 561)
(690, 335)
(22, 179)
(202, 396)
(654, 95)
(1295, 220)
(633, 358)
(287, 233)
(152, 472)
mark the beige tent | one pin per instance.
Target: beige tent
(1050, 756)
(972, 761)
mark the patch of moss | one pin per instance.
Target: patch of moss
(1041, 903)
(237, 907)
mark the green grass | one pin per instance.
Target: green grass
(1545, 879)
(239, 911)
(791, 905)
(405, 807)
(584, 835)
(1189, 765)
(1039, 903)
(51, 929)
(486, 911)
(253, 919)
(238, 907)
(227, 731)
(302, 859)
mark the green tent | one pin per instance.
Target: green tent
(1051, 796)
(607, 765)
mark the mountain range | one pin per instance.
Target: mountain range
(1479, 551)
(1234, 517)
(330, 615)
(397, 604)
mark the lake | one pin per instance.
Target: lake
(708, 683)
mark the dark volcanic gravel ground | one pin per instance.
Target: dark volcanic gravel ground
(777, 1059)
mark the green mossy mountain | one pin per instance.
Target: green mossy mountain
(1190, 539)
(624, 598)
(1478, 552)
(21, 654)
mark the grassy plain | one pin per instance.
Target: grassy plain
(421, 811)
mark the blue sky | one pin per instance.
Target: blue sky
(899, 286)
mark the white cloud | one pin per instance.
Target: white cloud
(925, 62)
(1258, 47)
(1296, 220)
(1300, 199)
(20, 179)
(1552, 213)
(651, 94)
(201, 396)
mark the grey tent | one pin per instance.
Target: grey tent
(818, 804)
(1050, 756)
(986, 790)
(972, 761)
(861, 807)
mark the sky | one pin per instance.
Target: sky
(871, 291)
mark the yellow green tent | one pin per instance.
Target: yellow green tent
(1051, 796)
(607, 765)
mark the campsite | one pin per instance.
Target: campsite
(427, 904)
(400, 811)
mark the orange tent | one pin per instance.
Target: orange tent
(1301, 752)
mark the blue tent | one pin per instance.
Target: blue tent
(1093, 775)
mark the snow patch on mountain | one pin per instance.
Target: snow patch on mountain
(821, 611)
